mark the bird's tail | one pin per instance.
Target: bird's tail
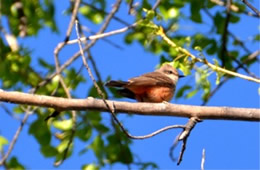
(113, 83)
(121, 88)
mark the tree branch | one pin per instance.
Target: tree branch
(155, 109)
(161, 33)
(252, 7)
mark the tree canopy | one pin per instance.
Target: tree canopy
(69, 49)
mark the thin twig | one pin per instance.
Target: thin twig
(130, 6)
(234, 8)
(98, 36)
(9, 112)
(203, 159)
(17, 133)
(158, 131)
(72, 20)
(58, 70)
(183, 136)
(104, 39)
(253, 56)
(74, 115)
(252, 7)
(157, 3)
(241, 65)
(91, 59)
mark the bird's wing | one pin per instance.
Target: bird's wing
(114, 83)
(150, 79)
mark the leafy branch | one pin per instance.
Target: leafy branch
(216, 68)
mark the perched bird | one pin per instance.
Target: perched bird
(155, 87)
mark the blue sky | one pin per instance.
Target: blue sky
(228, 144)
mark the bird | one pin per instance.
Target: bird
(154, 87)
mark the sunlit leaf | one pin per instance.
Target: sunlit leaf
(63, 124)
(90, 167)
(191, 94)
(3, 141)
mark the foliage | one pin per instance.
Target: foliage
(106, 141)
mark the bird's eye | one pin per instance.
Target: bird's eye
(169, 72)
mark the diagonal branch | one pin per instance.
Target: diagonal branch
(15, 138)
(252, 7)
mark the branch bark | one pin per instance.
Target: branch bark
(155, 109)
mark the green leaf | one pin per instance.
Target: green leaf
(84, 133)
(97, 18)
(40, 131)
(3, 141)
(149, 14)
(63, 124)
(212, 49)
(234, 18)
(219, 22)
(219, 76)
(49, 151)
(181, 91)
(85, 10)
(185, 68)
(44, 64)
(90, 167)
(93, 91)
(195, 7)
(198, 48)
(14, 164)
(73, 78)
(101, 128)
(146, 165)
(117, 151)
(94, 116)
(173, 12)
(206, 90)
(191, 94)
(257, 37)
(63, 145)
(98, 147)
(93, 15)
(130, 37)
(234, 54)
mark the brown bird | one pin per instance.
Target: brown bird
(156, 87)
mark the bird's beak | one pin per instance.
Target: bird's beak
(181, 76)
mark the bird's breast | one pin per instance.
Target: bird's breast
(155, 94)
